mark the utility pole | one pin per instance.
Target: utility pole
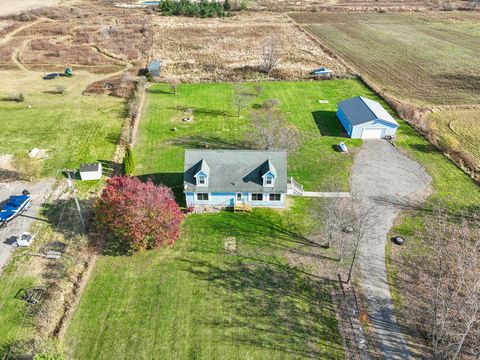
(71, 186)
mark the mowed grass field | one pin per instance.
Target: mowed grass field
(160, 151)
(422, 58)
(72, 127)
(196, 301)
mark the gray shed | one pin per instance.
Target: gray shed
(363, 118)
(154, 68)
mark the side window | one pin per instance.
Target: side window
(275, 197)
(202, 196)
(257, 197)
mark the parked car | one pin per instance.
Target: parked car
(321, 71)
(51, 76)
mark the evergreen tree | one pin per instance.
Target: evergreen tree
(226, 5)
(129, 161)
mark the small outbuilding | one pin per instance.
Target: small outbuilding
(154, 68)
(91, 171)
(363, 118)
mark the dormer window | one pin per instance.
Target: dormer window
(269, 180)
(202, 171)
(202, 179)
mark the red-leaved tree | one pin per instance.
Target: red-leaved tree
(141, 215)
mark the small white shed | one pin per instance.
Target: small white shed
(91, 171)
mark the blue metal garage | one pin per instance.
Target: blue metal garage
(363, 118)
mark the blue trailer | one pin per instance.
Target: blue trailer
(15, 206)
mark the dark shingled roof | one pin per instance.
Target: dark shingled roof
(89, 167)
(236, 170)
(360, 110)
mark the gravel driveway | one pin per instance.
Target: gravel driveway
(40, 191)
(385, 179)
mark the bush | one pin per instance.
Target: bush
(28, 168)
(129, 161)
(59, 90)
(138, 215)
(15, 97)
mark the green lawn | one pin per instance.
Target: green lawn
(195, 301)
(160, 150)
(72, 127)
(14, 324)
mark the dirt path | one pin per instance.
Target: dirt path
(21, 28)
(384, 178)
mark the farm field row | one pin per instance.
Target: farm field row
(421, 58)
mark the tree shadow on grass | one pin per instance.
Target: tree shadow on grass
(203, 111)
(425, 148)
(328, 123)
(159, 91)
(64, 217)
(211, 142)
(270, 307)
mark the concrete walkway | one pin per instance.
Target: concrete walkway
(386, 180)
(326, 194)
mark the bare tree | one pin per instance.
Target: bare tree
(448, 285)
(271, 54)
(242, 97)
(363, 219)
(173, 82)
(342, 225)
(273, 131)
(333, 215)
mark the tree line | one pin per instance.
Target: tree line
(203, 8)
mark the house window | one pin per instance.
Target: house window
(275, 197)
(239, 196)
(269, 180)
(202, 196)
(257, 197)
(202, 180)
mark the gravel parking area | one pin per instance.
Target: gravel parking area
(40, 191)
(387, 180)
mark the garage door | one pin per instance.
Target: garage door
(372, 133)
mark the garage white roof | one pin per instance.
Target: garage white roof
(359, 110)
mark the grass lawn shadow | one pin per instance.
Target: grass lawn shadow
(213, 142)
(264, 304)
(328, 124)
